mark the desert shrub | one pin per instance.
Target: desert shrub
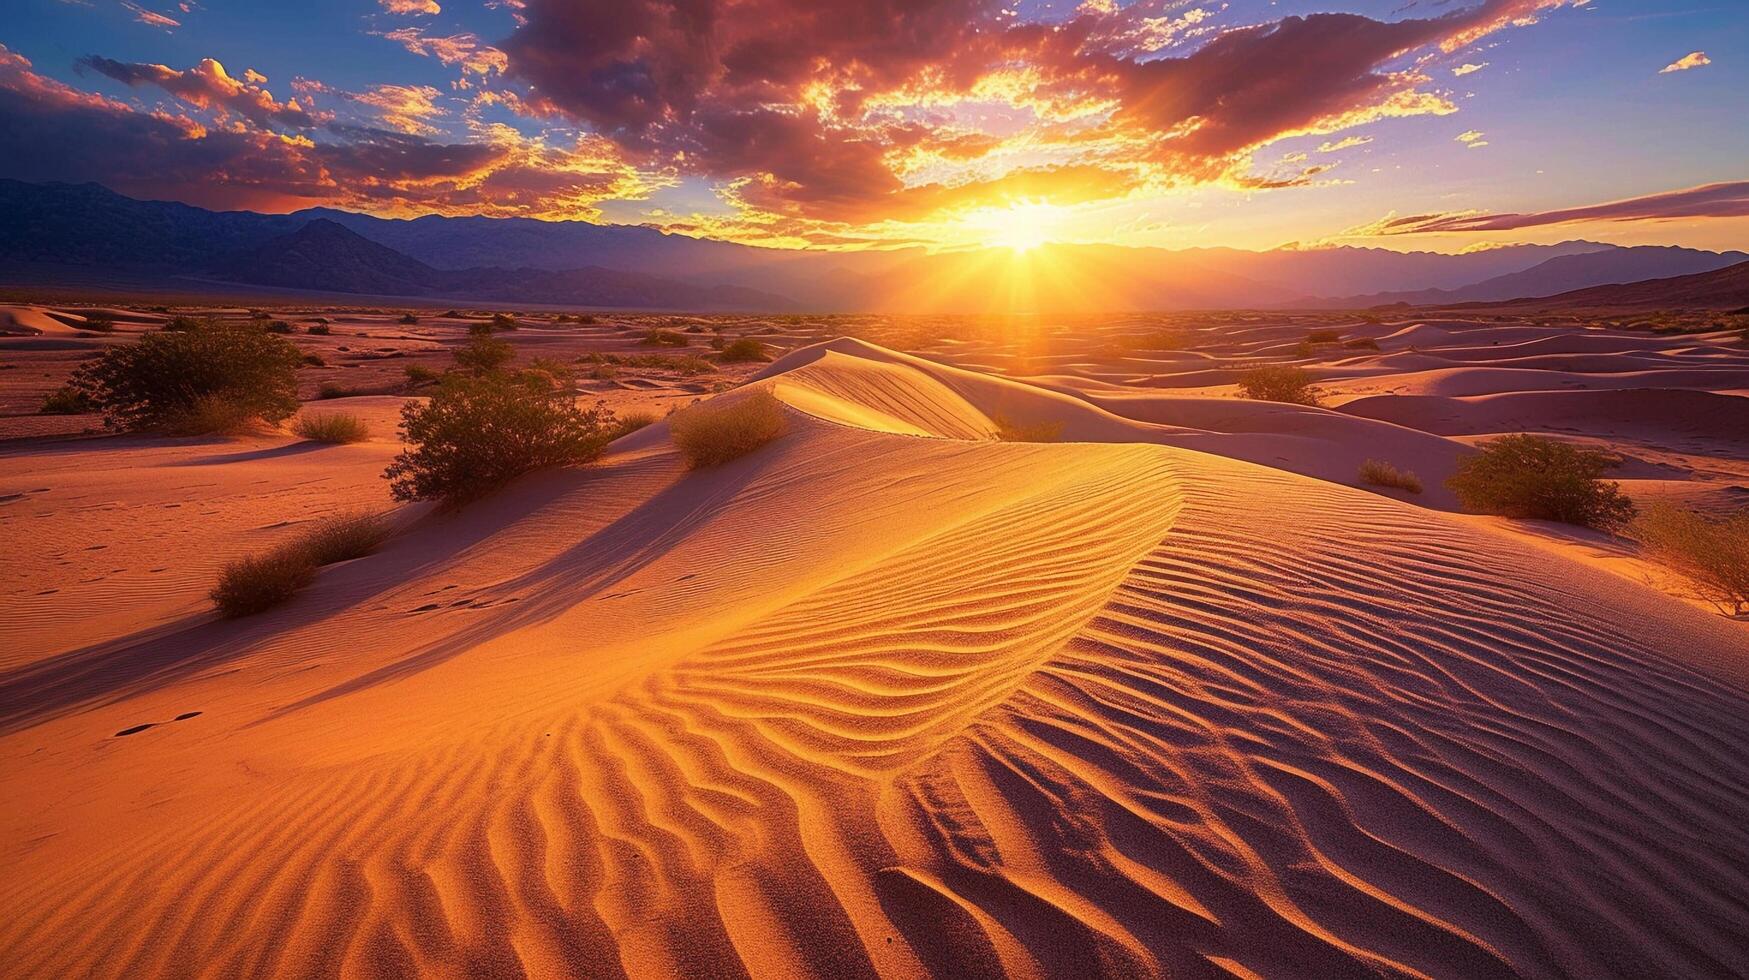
(1361, 343)
(604, 372)
(409, 319)
(1323, 336)
(319, 320)
(479, 431)
(1279, 383)
(745, 349)
(1008, 430)
(718, 343)
(259, 582)
(691, 364)
(330, 389)
(504, 321)
(99, 321)
(1712, 553)
(1379, 473)
(314, 360)
(171, 380)
(587, 319)
(708, 435)
(259, 315)
(67, 400)
(419, 374)
(1536, 477)
(319, 329)
(664, 338)
(483, 354)
(180, 324)
(332, 427)
(629, 423)
(278, 326)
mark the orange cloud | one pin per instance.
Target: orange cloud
(208, 86)
(1729, 199)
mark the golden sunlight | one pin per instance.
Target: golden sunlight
(1021, 227)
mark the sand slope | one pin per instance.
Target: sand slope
(888, 697)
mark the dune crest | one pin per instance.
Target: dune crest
(890, 697)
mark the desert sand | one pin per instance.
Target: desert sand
(1173, 696)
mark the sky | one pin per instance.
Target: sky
(1408, 124)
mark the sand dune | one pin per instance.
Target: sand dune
(890, 697)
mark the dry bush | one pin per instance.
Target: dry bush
(1712, 553)
(504, 321)
(319, 329)
(708, 435)
(744, 349)
(483, 354)
(1323, 336)
(664, 338)
(67, 400)
(1527, 476)
(340, 427)
(1382, 474)
(100, 322)
(1279, 383)
(1361, 343)
(259, 582)
(419, 374)
(174, 380)
(479, 431)
(629, 423)
(409, 319)
(330, 389)
(216, 414)
(279, 327)
(1008, 430)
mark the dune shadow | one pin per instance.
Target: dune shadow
(298, 448)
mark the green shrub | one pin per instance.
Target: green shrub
(332, 427)
(1712, 553)
(67, 400)
(1382, 474)
(171, 380)
(419, 374)
(710, 434)
(1007, 430)
(1528, 476)
(479, 431)
(1279, 383)
(259, 582)
(745, 349)
(483, 354)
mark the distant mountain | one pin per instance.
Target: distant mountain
(325, 256)
(1564, 273)
(1720, 289)
(80, 234)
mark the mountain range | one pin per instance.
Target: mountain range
(54, 233)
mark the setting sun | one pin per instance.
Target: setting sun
(1020, 227)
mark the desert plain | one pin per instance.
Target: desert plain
(1170, 691)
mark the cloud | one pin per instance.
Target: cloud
(411, 6)
(809, 107)
(208, 86)
(1347, 142)
(52, 131)
(1471, 138)
(1693, 59)
(151, 18)
(403, 108)
(1468, 69)
(456, 49)
(1723, 200)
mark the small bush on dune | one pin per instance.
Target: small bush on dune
(745, 349)
(1379, 473)
(504, 321)
(1279, 383)
(278, 326)
(67, 400)
(1536, 477)
(179, 324)
(409, 319)
(629, 423)
(1008, 430)
(339, 427)
(260, 582)
(319, 329)
(664, 338)
(217, 414)
(1361, 343)
(1712, 553)
(479, 431)
(1323, 336)
(329, 389)
(314, 360)
(100, 322)
(709, 435)
(174, 380)
(419, 374)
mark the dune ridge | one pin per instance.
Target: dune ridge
(891, 698)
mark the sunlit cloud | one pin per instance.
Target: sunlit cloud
(1468, 69)
(411, 6)
(456, 49)
(1472, 138)
(1693, 59)
(208, 86)
(1722, 200)
(151, 17)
